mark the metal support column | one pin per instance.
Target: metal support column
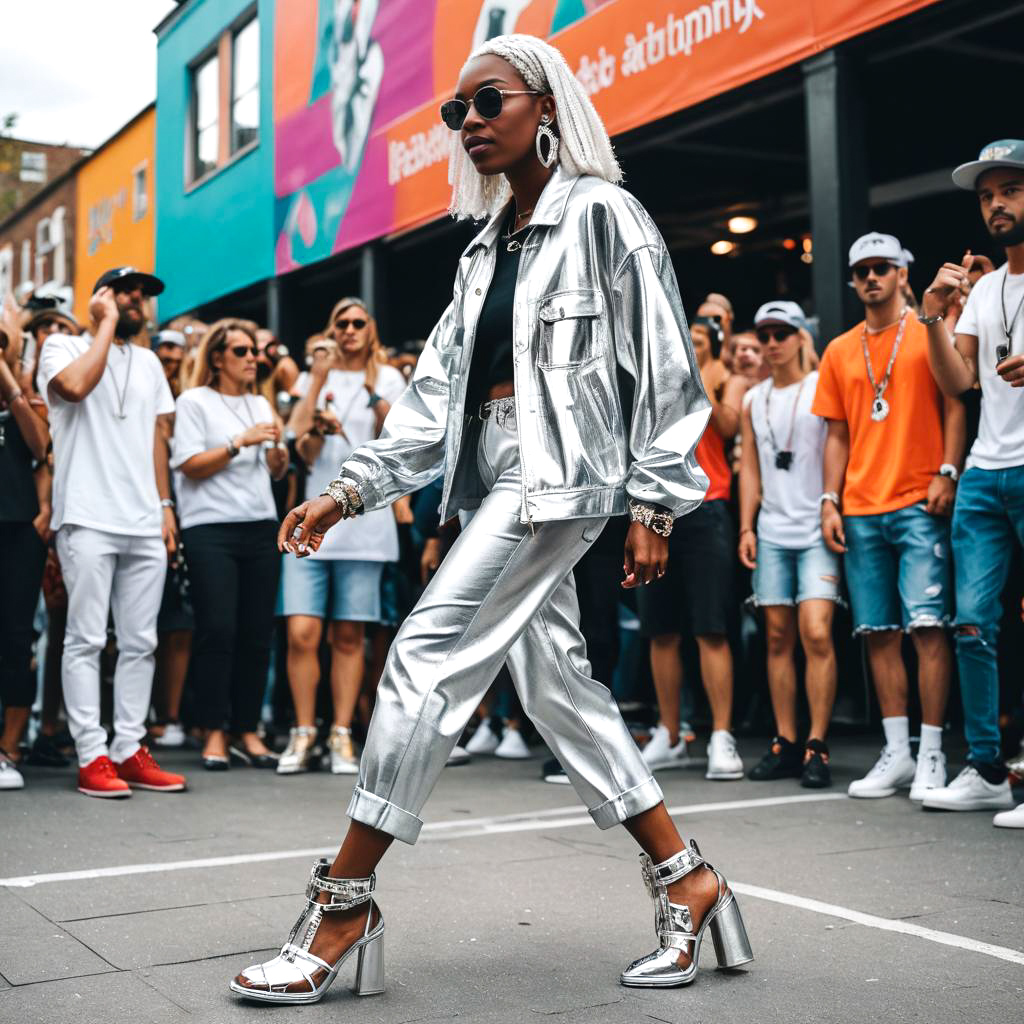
(837, 183)
(371, 283)
(275, 312)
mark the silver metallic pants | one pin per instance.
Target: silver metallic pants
(501, 593)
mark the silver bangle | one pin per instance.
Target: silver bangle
(829, 496)
(929, 320)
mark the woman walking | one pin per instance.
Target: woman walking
(515, 399)
(796, 578)
(226, 448)
(345, 396)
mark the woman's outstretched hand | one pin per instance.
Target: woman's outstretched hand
(303, 529)
(646, 556)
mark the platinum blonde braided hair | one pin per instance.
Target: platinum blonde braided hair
(584, 146)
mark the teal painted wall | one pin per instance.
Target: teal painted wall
(218, 236)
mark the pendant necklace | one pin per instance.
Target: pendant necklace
(512, 244)
(250, 419)
(879, 406)
(783, 457)
(1003, 351)
(122, 395)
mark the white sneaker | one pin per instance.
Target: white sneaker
(1010, 819)
(173, 736)
(892, 771)
(483, 741)
(459, 755)
(930, 774)
(659, 753)
(10, 777)
(513, 746)
(970, 791)
(723, 760)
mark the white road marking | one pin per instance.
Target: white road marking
(563, 817)
(553, 817)
(885, 924)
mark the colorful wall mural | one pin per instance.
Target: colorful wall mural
(359, 149)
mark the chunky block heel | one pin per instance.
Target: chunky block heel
(728, 933)
(673, 924)
(370, 968)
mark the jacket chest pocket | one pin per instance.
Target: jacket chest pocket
(570, 327)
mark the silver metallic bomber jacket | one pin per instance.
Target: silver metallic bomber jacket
(609, 400)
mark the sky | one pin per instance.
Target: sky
(74, 71)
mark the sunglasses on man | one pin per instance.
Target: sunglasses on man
(766, 334)
(488, 101)
(878, 269)
(356, 323)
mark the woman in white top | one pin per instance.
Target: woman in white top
(796, 578)
(226, 448)
(346, 395)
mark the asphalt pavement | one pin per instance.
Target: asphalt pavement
(512, 907)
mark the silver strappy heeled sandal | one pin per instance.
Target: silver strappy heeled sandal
(292, 976)
(674, 926)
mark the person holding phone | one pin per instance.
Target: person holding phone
(226, 449)
(344, 399)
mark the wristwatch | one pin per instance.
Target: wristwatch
(233, 448)
(652, 518)
(948, 469)
(829, 496)
(167, 503)
(929, 320)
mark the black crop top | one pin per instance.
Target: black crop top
(492, 348)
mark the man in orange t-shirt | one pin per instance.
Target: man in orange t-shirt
(899, 444)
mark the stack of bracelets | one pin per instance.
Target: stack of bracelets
(347, 497)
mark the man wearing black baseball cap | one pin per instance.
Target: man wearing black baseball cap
(989, 515)
(110, 411)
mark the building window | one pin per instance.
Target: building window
(33, 167)
(26, 260)
(205, 116)
(245, 86)
(140, 197)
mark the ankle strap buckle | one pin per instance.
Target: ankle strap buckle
(345, 893)
(658, 876)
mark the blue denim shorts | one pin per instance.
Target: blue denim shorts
(337, 589)
(898, 570)
(790, 576)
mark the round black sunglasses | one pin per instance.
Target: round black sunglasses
(488, 101)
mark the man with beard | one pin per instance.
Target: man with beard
(988, 349)
(110, 412)
(893, 450)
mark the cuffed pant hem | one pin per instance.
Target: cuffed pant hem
(627, 805)
(376, 812)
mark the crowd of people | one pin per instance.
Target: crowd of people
(143, 477)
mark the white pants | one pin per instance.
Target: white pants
(109, 572)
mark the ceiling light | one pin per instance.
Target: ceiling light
(722, 247)
(808, 244)
(742, 225)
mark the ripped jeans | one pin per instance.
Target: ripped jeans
(989, 515)
(897, 569)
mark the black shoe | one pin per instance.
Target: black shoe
(216, 763)
(781, 762)
(45, 753)
(242, 756)
(553, 772)
(816, 773)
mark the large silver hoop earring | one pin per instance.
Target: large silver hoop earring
(544, 132)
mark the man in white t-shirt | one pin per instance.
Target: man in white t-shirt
(989, 516)
(110, 415)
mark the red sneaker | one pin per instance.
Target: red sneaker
(99, 778)
(141, 771)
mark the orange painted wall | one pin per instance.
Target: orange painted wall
(108, 234)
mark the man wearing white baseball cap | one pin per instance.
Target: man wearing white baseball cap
(893, 449)
(989, 517)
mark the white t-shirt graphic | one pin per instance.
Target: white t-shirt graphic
(240, 492)
(1000, 440)
(790, 515)
(103, 474)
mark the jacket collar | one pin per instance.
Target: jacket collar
(549, 210)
